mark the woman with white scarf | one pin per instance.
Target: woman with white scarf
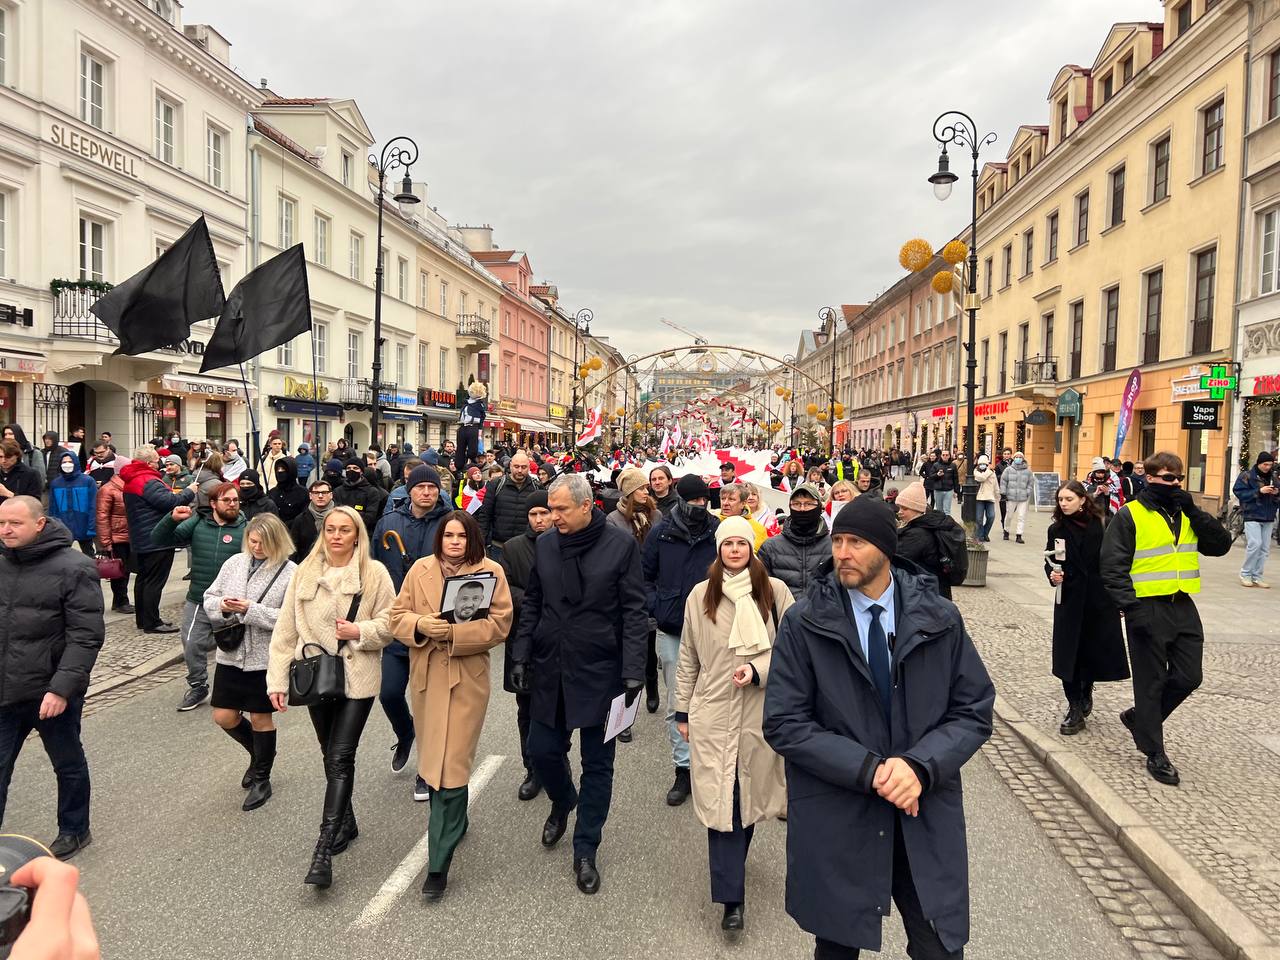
(730, 621)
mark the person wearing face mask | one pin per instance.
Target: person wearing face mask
(1102, 490)
(1151, 569)
(804, 543)
(253, 501)
(674, 560)
(73, 499)
(730, 621)
(290, 499)
(988, 493)
(361, 492)
(1016, 486)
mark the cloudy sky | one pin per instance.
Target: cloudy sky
(731, 165)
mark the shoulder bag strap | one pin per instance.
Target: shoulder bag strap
(351, 614)
(272, 582)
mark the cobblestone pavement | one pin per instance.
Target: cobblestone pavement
(1225, 739)
(127, 648)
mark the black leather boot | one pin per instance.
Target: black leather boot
(1086, 705)
(680, 790)
(242, 733)
(264, 758)
(346, 833)
(1073, 722)
(321, 873)
(651, 700)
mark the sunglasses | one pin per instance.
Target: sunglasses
(1169, 477)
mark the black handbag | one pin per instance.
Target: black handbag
(230, 636)
(320, 677)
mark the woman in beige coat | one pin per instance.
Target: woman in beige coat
(337, 602)
(448, 678)
(730, 621)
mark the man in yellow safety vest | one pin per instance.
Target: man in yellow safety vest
(1151, 569)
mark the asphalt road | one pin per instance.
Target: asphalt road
(176, 869)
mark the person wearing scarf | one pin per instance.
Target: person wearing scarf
(637, 515)
(730, 621)
(306, 526)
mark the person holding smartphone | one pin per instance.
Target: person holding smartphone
(1257, 492)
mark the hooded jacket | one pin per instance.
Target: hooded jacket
(73, 499)
(146, 500)
(52, 627)
(417, 533)
(918, 542)
(306, 464)
(253, 500)
(1254, 505)
(364, 496)
(1016, 482)
(674, 560)
(504, 512)
(793, 558)
(289, 497)
(51, 456)
(30, 456)
(22, 481)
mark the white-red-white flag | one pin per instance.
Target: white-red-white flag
(593, 428)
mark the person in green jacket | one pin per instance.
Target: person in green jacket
(214, 538)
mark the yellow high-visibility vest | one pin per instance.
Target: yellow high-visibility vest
(1162, 566)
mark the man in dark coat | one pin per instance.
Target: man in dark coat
(504, 513)
(794, 555)
(583, 641)
(253, 499)
(662, 489)
(49, 641)
(305, 529)
(876, 699)
(361, 491)
(677, 554)
(147, 499)
(290, 499)
(16, 478)
(517, 560)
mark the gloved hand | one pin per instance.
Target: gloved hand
(521, 677)
(1183, 499)
(631, 687)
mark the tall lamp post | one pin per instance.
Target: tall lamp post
(581, 324)
(959, 128)
(828, 315)
(400, 152)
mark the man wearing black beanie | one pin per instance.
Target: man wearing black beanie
(876, 699)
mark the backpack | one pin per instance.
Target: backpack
(953, 552)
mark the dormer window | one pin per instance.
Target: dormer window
(1126, 69)
(1107, 87)
(1183, 13)
(1063, 114)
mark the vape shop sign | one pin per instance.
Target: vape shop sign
(1201, 415)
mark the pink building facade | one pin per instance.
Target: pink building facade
(524, 334)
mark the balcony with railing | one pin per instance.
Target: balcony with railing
(1035, 372)
(72, 319)
(474, 330)
(358, 392)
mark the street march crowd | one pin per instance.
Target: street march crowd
(789, 616)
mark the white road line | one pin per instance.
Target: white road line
(403, 875)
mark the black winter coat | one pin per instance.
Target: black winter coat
(517, 561)
(918, 542)
(22, 481)
(1088, 643)
(674, 562)
(52, 628)
(147, 500)
(257, 503)
(794, 559)
(941, 477)
(583, 652)
(366, 497)
(505, 511)
(822, 715)
(304, 533)
(287, 494)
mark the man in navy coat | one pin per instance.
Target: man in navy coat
(876, 699)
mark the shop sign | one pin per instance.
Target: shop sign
(507, 406)
(94, 149)
(1183, 388)
(440, 399)
(482, 367)
(1201, 415)
(913, 423)
(991, 409)
(1038, 418)
(1266, 385)
(556, 410)
(17, 363)
(1069, 404)
(302, 390)
(205, 388)
(191, 348)
(1218, 381)
(939, 412)
(397, 398)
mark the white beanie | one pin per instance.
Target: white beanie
(734, 527)
(1099, 464)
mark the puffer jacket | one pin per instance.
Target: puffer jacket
(1016, 482)
(673, 562)
(239, 580)
(73, 499)
(146, 500)
(112, 524)
(418, 535)
(794, 559)
(365, 497)
(505, 511)
(52, 627)
(1254, 505)
(212, 544)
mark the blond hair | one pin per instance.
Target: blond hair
(847, 485)
(319, 558)
(276, 542)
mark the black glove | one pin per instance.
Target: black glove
(1182, 499)
(521, 679)
(1137, 620)
(632, 688)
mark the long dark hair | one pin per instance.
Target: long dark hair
(761, 588)
(475, 539)
(1089, 509)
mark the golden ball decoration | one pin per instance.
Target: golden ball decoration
(621, 411)
(780, 391)
(915, 255)
(595, 363)
(822, 416)
(811, 409)
(955, 251)
(839, 409)
(943, 281)
(583, 370)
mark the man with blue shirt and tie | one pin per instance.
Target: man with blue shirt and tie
(876, 698)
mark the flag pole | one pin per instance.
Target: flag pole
(253, 420)
(315, 400)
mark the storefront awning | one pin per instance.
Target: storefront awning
(306, 407)
(213, 387)
(404, 416)
(536, 426)
(496, 424)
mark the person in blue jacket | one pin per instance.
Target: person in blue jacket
(73, 499)
(1257, 492)
(306, 464)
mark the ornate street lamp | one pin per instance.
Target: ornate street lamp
(581, 325)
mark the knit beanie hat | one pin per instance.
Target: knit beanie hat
(692, 487)
(1266, 456)
(872, 520)
(173, 458)
(430, 457)
(333, 466)
(422, 474)
(630, 480)
(536, 499)
(809, 490)
(1099, 463)
(912, 497)
(734, 527)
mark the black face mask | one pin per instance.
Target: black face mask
(805, 522)
(1164, 495)
(351, 479)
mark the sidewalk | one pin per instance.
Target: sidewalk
(1222, 821)
(127, 653)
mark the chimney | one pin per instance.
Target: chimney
(479, 238)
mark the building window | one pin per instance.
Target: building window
(986, 357)
(1111, 321)
(1024, 344)
(1046, 336)
(1051, 238)
(1211, 152)
(1006, 274)
(93, 249)
(1202, 322)
(1273, 86)
(1077, 338)
(355, 265)
(1268, 278)
(444, 366)
(348, 163)
(1126, 69)
(1160, 170)
(1107, 87)
(353, 355)
(444, 299)
(402, 363)
(462, 303)
(166, 121)
(1082, 218)
(402, 278)
(1151, 324)
(1028, 252)
(1063, 114)
(284, 355)
(4, 234)
(320, 338)
(423, 288)
(1004, 359)
(1183, 15)
(287, 212)
(1117, 197)
(423, 353)
(93, 98)
(215, 145)
(987, 272)
(322, 241)
(4, 45)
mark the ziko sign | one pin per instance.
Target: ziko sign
(1201, 415)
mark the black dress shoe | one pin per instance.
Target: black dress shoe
(123, 608)
(530, 788)
(434, 886)
(555, 827)
(625, 736)
(680, 790)
(733, 920)
(651, 703)
(400, 755)
(1073, 722)
(1162, 770)
(161, 628)
(588, 876)
(1128, 718)
(68, 844)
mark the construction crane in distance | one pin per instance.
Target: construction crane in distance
(697, 338)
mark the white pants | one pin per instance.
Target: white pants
(1016, 509)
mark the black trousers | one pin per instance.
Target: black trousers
(549, 750)
(148, 585)
(922, 941)
(727, 855)
(395, 678)
(1166, 653)
(61, 738)
(339, 724)
(1077, 690)
(524, 708)
(651, 666)
(120, 588)
(468, 449)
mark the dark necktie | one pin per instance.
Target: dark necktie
(878, 657)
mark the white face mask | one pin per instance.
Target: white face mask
(67, 466)
(1017, 460)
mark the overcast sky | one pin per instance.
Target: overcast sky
(731, 165)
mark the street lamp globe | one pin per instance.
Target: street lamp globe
(944, 179)
(406, 199)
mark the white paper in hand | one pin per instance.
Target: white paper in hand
(621, 717)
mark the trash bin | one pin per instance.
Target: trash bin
(977, 573)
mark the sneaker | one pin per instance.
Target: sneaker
(1262, 584)
(400, 755)
(421, 792)
(1246, 582)
(68, 844)
(193, 698)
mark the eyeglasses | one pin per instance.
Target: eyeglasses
(322, 493)
(1169, 477)
(227, 500)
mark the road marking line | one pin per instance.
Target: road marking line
(403, 876)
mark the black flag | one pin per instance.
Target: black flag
(156, 307)
(270, 306)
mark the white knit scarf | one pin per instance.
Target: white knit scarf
(748, 635)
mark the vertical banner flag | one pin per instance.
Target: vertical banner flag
(593, 428)
(1130, 396)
